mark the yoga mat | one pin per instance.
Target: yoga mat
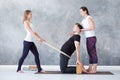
(98, 73)
(58, 72)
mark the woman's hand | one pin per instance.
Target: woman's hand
(41, 40)
(82, 30)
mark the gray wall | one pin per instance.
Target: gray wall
(53, 20)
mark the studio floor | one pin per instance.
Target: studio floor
(8, 72)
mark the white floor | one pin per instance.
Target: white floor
(8, 72)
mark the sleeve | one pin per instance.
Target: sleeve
(77, 38)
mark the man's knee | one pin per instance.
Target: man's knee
(63, 71)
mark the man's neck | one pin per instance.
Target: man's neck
(76, 33)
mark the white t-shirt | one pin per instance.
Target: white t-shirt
(85, 23)
(29, 36)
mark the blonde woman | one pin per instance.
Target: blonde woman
(28, 43)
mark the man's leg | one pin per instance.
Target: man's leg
(64, 63)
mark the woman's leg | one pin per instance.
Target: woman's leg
(94, 55)
(94, 68)
(36, 54)
(91, 48)
(24, 54)
(90, 67)
(88, 45)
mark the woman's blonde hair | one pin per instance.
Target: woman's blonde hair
(26, 13)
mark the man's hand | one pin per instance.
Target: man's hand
(78, 62)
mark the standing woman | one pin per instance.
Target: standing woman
(88, 29)
(28, 44)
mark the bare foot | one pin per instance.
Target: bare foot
(20, 71)
(83, 70)
(42, 71)
(92, 72)
(88, 69)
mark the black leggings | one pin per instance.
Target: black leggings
(64, 65)
(29, 46)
